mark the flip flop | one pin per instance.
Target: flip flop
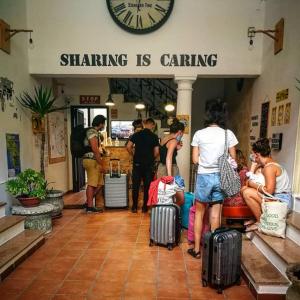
(192, 252)
(252, 227)
(249, 222)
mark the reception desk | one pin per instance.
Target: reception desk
(120, 153)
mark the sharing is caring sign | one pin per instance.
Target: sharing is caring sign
(141, 60)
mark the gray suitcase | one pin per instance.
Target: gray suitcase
(221, 258)
(115, 188)
(165, 225)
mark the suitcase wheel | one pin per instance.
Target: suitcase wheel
(151, 243)
(204, 283)
(170, 247)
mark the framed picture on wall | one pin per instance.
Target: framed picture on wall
(56, 137)
(264, 120)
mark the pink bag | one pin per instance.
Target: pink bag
(205, 227)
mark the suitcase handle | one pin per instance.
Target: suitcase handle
(110, 167)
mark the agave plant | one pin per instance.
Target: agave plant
(40, 104)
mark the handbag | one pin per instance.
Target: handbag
(273, 217)
(229, 178)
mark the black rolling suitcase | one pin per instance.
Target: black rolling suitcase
(165, 228)
(221, 258)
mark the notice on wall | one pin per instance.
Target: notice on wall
(56, 137)
(13, 154)
(114, 113)
(287, 113)
(280, 115)
(89, 99)
(263, 133)
(282, 95)
(273, 117)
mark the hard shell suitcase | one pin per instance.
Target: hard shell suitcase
(115, 188)
(165, 226)
(185, 209)
(221, 258)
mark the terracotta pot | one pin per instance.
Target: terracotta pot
(29, 201)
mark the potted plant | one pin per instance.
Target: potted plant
(29, 188)
(40, 104)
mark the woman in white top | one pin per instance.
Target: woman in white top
(277, 181)
(208, 145)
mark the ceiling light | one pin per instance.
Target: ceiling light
(169, 107)
(109, 101)
(140, 105)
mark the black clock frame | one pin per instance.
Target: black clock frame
(140, 31)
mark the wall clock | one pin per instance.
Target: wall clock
(140, 16)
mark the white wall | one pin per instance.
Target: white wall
(15, 68)
(194, 27)
(279, 72)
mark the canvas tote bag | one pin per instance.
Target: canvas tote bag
(273, 217)
(230, 179)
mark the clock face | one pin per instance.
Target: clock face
(140, 16)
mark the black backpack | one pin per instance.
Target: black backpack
(78, 135)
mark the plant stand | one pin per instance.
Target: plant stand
(38, 217)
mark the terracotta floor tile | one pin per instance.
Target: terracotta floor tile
(71, 253)
(138, 290)
(95, 253)
(194, 277)
(108, 289)
(89, 262)
(54, 274)
(69, 297)
(149, 276)
(25, 273)
(83, 273)
(75, 287)
(238, 293)
(144, 263)
(173, 290)
(6, 295)
(111, 275)
(31, 296)
(101, 245)
(172, 265)
(11, 285)
(198, 292)
(40, 287)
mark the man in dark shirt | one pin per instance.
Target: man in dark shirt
(144, 146)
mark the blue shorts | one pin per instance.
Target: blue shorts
(284, 197)
(208, 188)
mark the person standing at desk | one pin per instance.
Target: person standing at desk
(144, 146)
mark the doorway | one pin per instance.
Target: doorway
(83, 115)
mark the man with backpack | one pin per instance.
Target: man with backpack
(92, 161)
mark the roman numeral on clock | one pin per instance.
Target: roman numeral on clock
(160, 9)
(139, 22)
(119, 9)
(151, 19)
(128, 18)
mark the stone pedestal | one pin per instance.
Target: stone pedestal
(38, 217)
(55, 198)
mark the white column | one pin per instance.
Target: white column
(184, 107)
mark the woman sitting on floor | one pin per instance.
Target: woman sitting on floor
(277, 182)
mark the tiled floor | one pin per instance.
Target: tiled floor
(107, 256)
